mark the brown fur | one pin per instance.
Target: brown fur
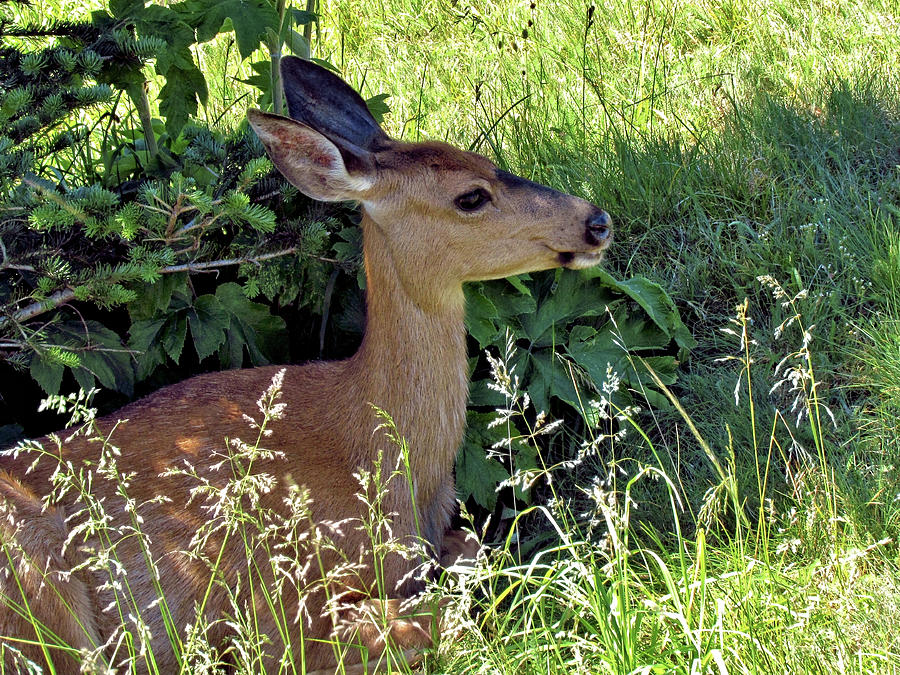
(419, 249)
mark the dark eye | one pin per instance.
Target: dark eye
(472, 201)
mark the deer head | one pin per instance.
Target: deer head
(444, 215)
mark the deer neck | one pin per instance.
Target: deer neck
(413, 359)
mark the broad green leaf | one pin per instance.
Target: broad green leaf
(378, 106)
(593, 355)
(47, 374)
(84, 378)
(142, 340)
(480, 315)
(478, 475)
(302, 17)
(126, 9)
(102, 356)
(666, 367)
(509, 299)
(143, 333)
(173, 336)
(482, 395)
(96, 351)
(208, 321)
(165, 23)
(548, 377)
(580, 333)
(251, 326)
(654, 300)
(154, 298)
(518, 282)
(297, 44)
(629, 329)
(178, 98)
(575, 296)
(92, 351)
(525, 459)
(249, 19)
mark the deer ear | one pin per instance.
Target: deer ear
(322, 100)
(317, 166)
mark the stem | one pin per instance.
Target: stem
(275, 50)
(307, 29)
(143, 107)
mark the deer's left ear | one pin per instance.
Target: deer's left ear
(312, 162)
(323, 101)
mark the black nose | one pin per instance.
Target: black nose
(598, 228)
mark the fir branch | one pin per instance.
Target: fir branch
(66, 295)
(226, 262)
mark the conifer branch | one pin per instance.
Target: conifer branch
(65, 295)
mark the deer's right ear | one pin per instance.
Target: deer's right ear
(311, 162)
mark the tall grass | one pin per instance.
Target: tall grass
(796, 592)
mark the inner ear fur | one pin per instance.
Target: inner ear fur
(319, 167)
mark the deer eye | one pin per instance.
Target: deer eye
(472, 201)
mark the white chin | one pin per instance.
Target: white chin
(584, 260)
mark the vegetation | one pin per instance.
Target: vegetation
(719, 489)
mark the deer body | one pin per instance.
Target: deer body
(433, 217)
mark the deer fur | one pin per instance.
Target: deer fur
(433, 217)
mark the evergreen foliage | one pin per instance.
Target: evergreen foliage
(100, 215)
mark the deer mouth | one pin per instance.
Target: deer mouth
(579, 260)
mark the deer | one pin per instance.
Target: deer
(433, 217)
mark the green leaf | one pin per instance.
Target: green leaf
(378, 106)
(178, 98)
(249, 18)
(666, 367)
(593, 355)
(154, 298)
(574, 296)
(209, 321)
(518, 282)
(252, 326)
(47, 374)
(296, 44)
(263, 78)
(84, 378)
(90, 350)
(142, 339)
(525, 459)
(156, 21)
(142, 333)
(480, 315)
(173, 337)
(302, 17)
(654, 300)
(628, 328)
(478, 475)
(550, 377)
(122, 9)
(103, 356)
(510, 299)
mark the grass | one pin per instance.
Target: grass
(749, 152)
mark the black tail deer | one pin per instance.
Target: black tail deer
(433, 217)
